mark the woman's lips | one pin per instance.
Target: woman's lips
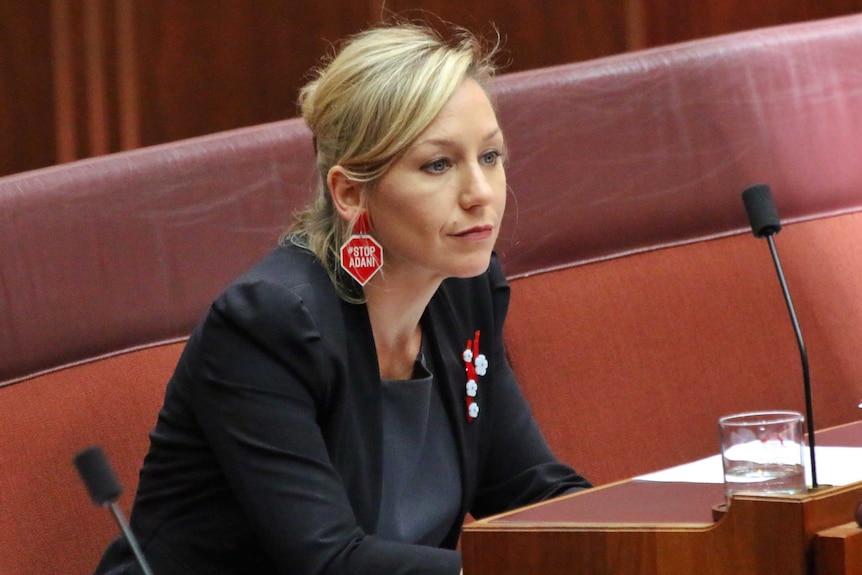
(476, 233)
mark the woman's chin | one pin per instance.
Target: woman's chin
(476, 267)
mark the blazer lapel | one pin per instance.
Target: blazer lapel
(358, 427)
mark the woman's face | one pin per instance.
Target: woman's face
(437, 211)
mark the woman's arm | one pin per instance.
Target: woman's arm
(518, 467)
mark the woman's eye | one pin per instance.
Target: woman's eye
(490, 158)
(437, 166)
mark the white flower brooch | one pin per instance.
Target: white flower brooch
(476, 365)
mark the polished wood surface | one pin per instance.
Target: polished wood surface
(27, 122)
(668, 21)
(86, 77)
(647, 528)
(838, 551)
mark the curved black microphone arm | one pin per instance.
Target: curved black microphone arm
(806, 376)
(765, 222)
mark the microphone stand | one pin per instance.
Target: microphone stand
(130, 538)
(104, 490)
(803, 355)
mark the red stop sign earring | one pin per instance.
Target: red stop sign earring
(361, 254)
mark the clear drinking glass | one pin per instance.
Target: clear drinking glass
(763, 453)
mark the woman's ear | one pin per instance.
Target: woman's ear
(346, 193)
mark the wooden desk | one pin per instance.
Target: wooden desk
(651, 528)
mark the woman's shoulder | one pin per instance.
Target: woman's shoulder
(283, 308)
(287, 265)
(287, 278)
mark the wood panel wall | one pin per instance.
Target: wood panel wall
(80, 78)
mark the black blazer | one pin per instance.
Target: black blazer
(266, 457)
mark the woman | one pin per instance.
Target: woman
(344, 404)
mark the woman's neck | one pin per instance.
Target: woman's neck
(395, 312)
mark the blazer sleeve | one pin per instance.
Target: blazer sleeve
(258, 391)
(517, 466)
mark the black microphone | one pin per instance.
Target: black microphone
(765, 223)
(104, 489)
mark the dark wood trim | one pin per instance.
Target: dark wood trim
(120, 74)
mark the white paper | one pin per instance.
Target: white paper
(835, 466)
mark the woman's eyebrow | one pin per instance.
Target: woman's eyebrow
(448, 142)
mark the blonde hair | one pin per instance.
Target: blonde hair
(366, 106)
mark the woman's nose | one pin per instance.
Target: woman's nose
(477, 189)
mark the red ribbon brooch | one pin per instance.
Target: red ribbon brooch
(476, 365)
